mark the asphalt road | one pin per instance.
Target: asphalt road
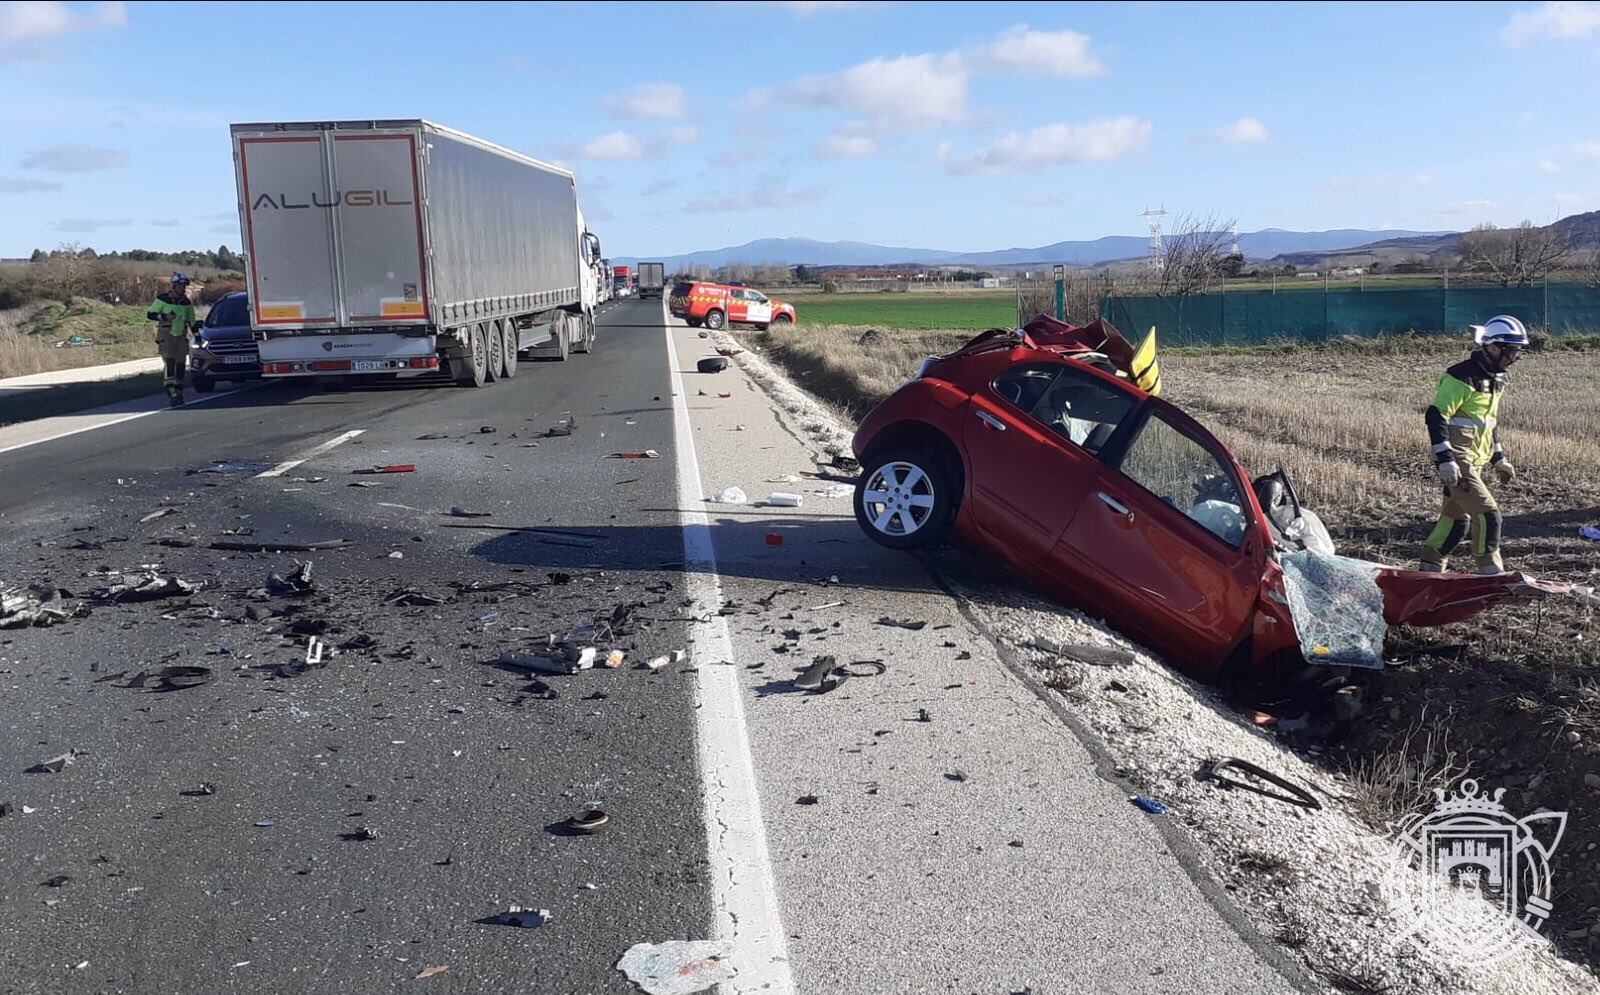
(454, 762)
(852, 848)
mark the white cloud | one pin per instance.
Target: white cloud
(1039, 200)
(621, 146)
(24, 25)
(90, 224)
(73, 157)
(647, 100)
(806, 8)
(1053, 145)
(9, 185)
(660, 187)
(769, 194)
(1026, 52)
(1561, 20)
(1549, 166)
(613, 145)
(921, 92)
(902, 93)
(846, 143)
(1588, 149)
(1244, 131)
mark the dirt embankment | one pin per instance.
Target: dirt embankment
(1511, 696)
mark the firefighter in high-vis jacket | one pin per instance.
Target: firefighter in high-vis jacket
(1462, 426)
(174, 318)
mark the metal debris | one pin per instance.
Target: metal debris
(297, 582)
(147, 585)
(279, 545)
(55, 765)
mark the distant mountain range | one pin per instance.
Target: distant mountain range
(1256, 245)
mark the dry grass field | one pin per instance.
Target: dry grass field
(1512, 695)
(28, 336)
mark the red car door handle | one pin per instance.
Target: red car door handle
(990, 421)
(1113, 504)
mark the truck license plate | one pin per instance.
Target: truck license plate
(367, 365)
(247, 357)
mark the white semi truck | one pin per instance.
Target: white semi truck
(400, 248)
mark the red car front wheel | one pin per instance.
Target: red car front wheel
(904, 500)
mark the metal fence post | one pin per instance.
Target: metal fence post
(1060, 274)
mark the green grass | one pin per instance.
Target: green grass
(45, 402)
(911, 310)
(28, 336)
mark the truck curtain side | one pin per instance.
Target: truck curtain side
(398, 247)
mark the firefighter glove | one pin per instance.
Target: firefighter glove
(1450, 473)
(1504, 470)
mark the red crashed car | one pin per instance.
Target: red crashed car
(1039, 446)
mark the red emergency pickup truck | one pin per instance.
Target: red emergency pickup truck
(717, 305)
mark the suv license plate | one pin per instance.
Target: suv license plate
(246, 357)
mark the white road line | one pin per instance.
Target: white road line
(130, 416)
(290, 464)
(745, 895)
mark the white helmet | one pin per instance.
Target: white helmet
(1502, 329)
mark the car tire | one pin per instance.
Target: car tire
(202, 384)
(692, 322)
(904, 499)
(509, 350)
(715, 320)
(782, 320)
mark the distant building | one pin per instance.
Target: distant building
(1308, 275)
(989, 283)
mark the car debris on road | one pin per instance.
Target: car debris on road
(678, 967)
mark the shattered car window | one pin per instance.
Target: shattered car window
(1023, 386)
(1187, 476)
(1083, 410)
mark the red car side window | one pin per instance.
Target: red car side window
(1076, 406)
(1186, 476)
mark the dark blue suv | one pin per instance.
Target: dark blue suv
(224, 349)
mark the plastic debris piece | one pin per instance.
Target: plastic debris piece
(784, 499)
(656, 663)
(516, 915)
(148, 586)
(430, 971)
(588, 821)
(265, 823)
(170, 678)
(488, 616)
(614, 659)
(412, 598)
(564, 427)
(392, 468)
(724, 393)
(54, 765)
(56, 882)
(457, 511)
(360, 835)
(549, 664)
(158, 513)
(914, 626)
(678, 967)
(1590, 532)
(774, 539)
(298, 581)
(712, 364)
(806, 800)
(280, 545)
(729, 495)
(487, 430)
(647, 454)
(836, 491)
(677, 656)
(1147, 804)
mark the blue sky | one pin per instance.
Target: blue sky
(930, 125)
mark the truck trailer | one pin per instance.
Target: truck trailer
(652, 278)
(399, 248)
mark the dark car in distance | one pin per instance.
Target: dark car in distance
(224, 349)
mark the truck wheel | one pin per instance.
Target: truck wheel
(471, 369)
(714, 320)
(560, 328)
(586, 344)
(495, 346)
(508, 351)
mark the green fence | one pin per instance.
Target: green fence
(1249, 316)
